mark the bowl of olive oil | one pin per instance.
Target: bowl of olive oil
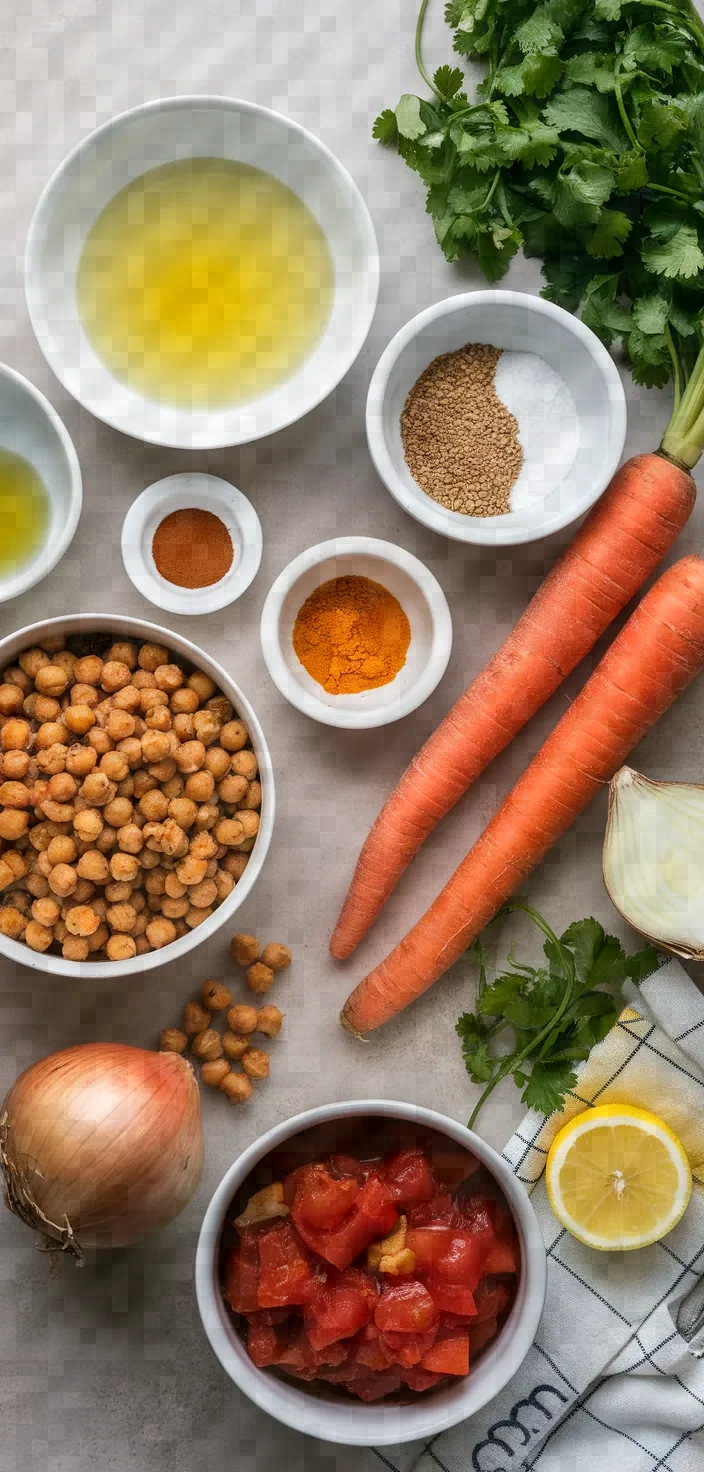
(40, 486)
(201, 272)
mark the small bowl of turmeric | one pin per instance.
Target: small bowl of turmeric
(356, 632)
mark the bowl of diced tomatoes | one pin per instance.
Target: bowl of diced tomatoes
(370, 1272)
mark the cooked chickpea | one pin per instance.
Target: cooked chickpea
(32, 660)
(244, 763)
(83, 892)
(223, 708)
(51, 680)
(200, 786)
(249, 821)
(15, 765)
(99, 939)
(230, 831)
(183, 811)
(106, 840)
(203, 896)
(207, 816)
(57, 812)
(215, 996)
(13, 923)
(37, 885)
(97, 789)
(207, 726)
(50, 733)
(255, 1063)
(175, 909)
(155, 745)
(122, 917)
(155, 883)
(207, 1044)
(38, 937)
(269, 1021)
(84, 695)
(143, 782)
(224, 884)
(63, 787)
(183, 702)
(244, 949)
(214, 1072)
(129, 838)
(252, 799)
(259, 977)
(276, 955)
(53, 759)
(168, 677)
(183, 727)
(233, 1046)
(82, 920)
(67, 662)
(88, 824)
(232, 788)
(15, 735)
(46, 911)
(118, 893)
(124, 868)
(93, 865)
(16, 795)
(173, 886)
(164, 771)
(115, 765)
(13, 824)
(125, 653)
(61, 850)
(118, 812)
(202, 684)
(120, 948)
(172, 1040)
(115, 675)
(174, 842)
(11, 700)
(191, 871)
(174, 787)
(127, 701)
(63, 880)
(88, 670)
(190, 757)
(45, 708)
(131, 748)
(233, 735)
(161, 932)
(242, 1018)
(99, 740)
(151, 656)
(236, 1087)
(195, 916)
(75, 948)
(78, 719)
(195, 1018)
(80, 760)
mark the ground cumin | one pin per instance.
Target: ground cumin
(460, 442)
(192, 548)
(351, 635)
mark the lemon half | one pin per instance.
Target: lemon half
(617, 1177)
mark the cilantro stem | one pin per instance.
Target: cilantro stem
(490, 195)
(684, 438)
(419, 57)
(514, 1061)
(690, 22)
(672, 193)
(676, 367)
(622, 108)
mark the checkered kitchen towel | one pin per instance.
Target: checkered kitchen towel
(615, 1378)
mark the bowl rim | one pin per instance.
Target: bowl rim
(304, 1412)
(138, 628)
(55, 548)
(34, 294)
(238, 578)
(304, 700)
(476, 530)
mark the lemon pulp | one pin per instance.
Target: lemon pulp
(24, 512)
(204, 282)
(617, 1177)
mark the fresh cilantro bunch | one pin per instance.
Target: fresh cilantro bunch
(585, 146)
(553, 1014)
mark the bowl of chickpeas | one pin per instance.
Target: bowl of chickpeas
(136, 796)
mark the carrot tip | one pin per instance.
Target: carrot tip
(354, 1031)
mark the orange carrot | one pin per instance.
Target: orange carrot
(617, 548)
(653, 659)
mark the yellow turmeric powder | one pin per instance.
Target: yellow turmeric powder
(351, 634)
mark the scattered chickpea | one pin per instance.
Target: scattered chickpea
(242, 1018)
(259, 978)
(233, 1046)
(277, 956)
(255, 1063)
(172, 1040)
(214, 1071)
(216, 997)
(236, 1087)
(244, 949)
(207, 1044)
(269, 1021)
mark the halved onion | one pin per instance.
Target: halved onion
(653, 860)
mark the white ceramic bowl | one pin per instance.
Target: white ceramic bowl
(422, 600)
(337, 1417)
(520, 323)
(158, 133)
(186, 491)
(123, 627)
(30, 427)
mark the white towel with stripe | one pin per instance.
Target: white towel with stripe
(615, 1378)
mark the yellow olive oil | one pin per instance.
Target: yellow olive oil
(24, 513)
(204, 283)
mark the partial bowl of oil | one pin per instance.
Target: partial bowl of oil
(40, 486)
(201, 272)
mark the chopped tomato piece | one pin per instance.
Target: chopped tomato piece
(407, 1349)
(339, 1307)
(285, 1271)
(453, 1166)
(368, 1349)
(373, 1214)
(242, 1275)
(346, 1165)
(491, 1299)
(323, 1200)
(457, 1321)
(501, 1258)
(429, 1244)
(482, 1335)
(372, 1385)
(406, 1308)
(263, 1344)
(419, 1379)
(450, 1254)
(440, 1209)
(451, 1298)
(449, 1355)
(409, 1177)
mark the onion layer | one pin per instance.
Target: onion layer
(653, 861)
(100, 1144)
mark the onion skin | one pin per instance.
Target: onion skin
(684, 950)
(102, 1143)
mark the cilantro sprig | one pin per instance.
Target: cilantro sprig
(553, 1014)
(584, 147)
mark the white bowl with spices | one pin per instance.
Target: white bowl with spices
(555, 378)
(176, 535)
(409, 583)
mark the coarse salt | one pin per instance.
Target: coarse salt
(548, 428)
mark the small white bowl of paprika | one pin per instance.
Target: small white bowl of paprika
(191, 543)
(314, 632)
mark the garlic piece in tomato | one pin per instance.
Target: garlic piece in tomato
(653, 860)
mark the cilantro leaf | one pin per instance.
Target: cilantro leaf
(547, 1086)
(609, 9)
(580, 192)
(385, 128)
(661, 126)
(535, 76)
(408, 118)
(592, 69)
(680, 257)
(480, 1066)
(656, 48)
(613, 228)
(448, 80)
(533, 143)
(540, 32)
(650, 313)
(581, 110)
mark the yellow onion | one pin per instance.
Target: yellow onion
(653, 860)
(100, 1144)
